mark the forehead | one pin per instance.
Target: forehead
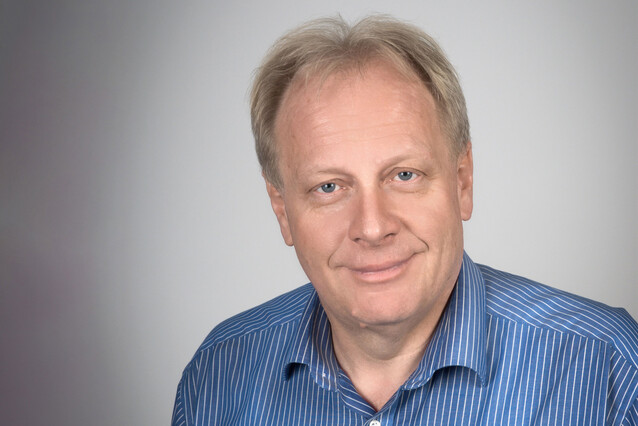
(352, 100)
(310, 83)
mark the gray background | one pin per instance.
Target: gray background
(133, 217)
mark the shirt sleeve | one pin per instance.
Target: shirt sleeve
(179, 414)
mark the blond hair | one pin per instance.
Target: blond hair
(324, 46)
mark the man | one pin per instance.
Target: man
(364, 144)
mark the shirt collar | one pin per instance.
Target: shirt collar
(459, 339)
(312, 346)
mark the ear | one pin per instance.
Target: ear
(279, 207)
(465, 181)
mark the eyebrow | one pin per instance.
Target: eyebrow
(386, 164)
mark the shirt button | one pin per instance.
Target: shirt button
(375, 423)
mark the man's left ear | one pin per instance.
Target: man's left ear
(465, 181)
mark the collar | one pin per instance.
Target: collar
(459, 339)
(312, 346)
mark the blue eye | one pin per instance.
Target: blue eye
(327, 188)
(405, 175)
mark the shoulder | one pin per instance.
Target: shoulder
(248, 338)
(522, 300)
(239, 355)
(275, 313)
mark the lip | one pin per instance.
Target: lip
(382, 272)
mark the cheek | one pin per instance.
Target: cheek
(433, 217)
(317, 236)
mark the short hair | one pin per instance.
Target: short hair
(324, 46)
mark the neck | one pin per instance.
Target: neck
(378, 360)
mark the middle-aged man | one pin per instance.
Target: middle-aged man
(363, 139)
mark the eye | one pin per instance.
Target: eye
(327, 188)
(404, 175)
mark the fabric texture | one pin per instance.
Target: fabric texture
(507, 351)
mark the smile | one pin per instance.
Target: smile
(379, 273)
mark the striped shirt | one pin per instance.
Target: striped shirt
(507, 351)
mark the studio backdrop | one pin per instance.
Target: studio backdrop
(133, 217)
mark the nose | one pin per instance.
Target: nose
(373, 221)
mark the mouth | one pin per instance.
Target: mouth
(381, 272)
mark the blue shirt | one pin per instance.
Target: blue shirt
(506, 351)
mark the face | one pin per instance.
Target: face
(372, 200)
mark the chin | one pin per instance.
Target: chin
(383, 313)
